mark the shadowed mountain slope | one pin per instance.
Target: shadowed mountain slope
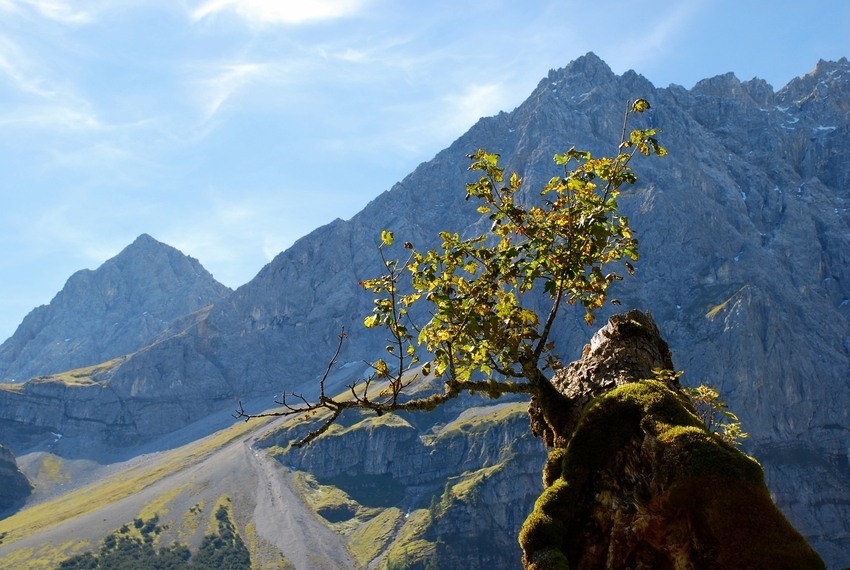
(744, 239)
(114, 310)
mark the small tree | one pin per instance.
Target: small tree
(480, 338)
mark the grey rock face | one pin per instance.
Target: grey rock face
(14, 485)
(392, 446)
(744, 232)
(488, 452)
(114, 310)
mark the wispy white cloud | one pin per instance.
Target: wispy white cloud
(229, 234)
(53, 116)
(51, 9)
(274, 244)
(60, 11)
(223, 82)
(428, 125)
(48, 103)
(659, 41)
(56, 227)
(281, 11)
(476, 101)
(15, 65)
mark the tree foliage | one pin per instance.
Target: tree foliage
(480, 336)
(120, 550)
(715, 414)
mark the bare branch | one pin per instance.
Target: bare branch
(316, 433)
(553, 312)
(342, 337)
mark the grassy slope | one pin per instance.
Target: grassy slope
(182, 487)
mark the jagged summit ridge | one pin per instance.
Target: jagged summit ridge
(744, 232)
(108, 312)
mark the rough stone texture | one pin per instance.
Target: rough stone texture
(390, 445)
(114, 310)
(116, 404)
(639, 481)
(491, 446)
(744, 232)
(14, 486)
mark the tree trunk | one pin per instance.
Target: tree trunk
(636, 481)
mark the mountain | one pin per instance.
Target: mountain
(114, 310)
(14, 485)
(744, 239)
(466, 489)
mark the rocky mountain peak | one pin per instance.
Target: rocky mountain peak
(589, 64)
(828, 83)
(726, 85)
(760, 91)
(744, 234)
(113, 310)
(581, 76)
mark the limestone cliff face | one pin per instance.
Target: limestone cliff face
(14, 486)
(80, 348)
(114, 310)
(744, 232)
(479, 473)
(117, 403)
(390, 445)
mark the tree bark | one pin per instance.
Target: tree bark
(636, 481)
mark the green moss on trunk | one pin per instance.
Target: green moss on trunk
(642, 483)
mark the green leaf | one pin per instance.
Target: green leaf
(382, 369)
(515, 181)
(371, 321)
(640, 106)
(564, 242)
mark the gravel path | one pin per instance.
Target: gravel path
(283, 519)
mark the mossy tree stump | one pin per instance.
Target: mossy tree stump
(636, 481)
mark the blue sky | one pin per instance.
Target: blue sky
(230, 128)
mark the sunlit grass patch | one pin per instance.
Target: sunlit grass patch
(44, 557)
(117, 487)
(372, 537)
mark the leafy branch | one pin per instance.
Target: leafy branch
(480, 338)
(711, 409)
